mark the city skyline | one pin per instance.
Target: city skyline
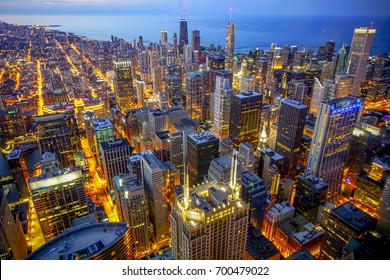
(178, 148)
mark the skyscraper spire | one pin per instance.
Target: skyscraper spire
(262, 141)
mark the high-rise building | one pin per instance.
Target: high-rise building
(384, 210)
(196, 40)
(358, 55)
(58, 133)
(268, 158)
(254, 193)
(213, 226)
(226, 147)
(115, 156)
(13, 245)
(183, 40)
(173, 86)
(229, 50)
(245, 118)
(290, 130)
(345, 222)
(155, 179)
(59, 197)
(247, 83)
(220, 169)
(245, 159)
(202, 149)
(123, 85)
(132, 205)
(310, 193)
(331, 140)
(195, 95)
(316, 97)
(175, 47)
(221, 107)
(163, 36)
(103, 130)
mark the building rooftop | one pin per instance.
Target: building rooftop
(55, 178)
(128, 182)
(354, 217)
(114, 144)
(252, 178)
(222, 163)
(272, 154)
(15, 154)
(294, 104)
(345, 102)
(202, 137)
(259, 247)
(163, 135)
(248, 94)
(100, 124)
(313, 182)
(293, 225)
(151, 160)
(81, 242)
(281, 208)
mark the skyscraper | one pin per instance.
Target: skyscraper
(254, 193)
(58, 133)
(213, 226)
(245, 118)
(163, 36)
(331, 140)
(155, 179)
(59, 197)
(309, 195)
(132, 205)
(115, 156)
(123, 85)
(290, 130)
(196, 40)
(229, 51)
(183, 40)
(202, 149)
(13, 245)
(195, 95)
(358, 55)
(221, 106)
(345, 222)
(174, 45)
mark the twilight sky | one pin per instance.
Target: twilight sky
(282, 7)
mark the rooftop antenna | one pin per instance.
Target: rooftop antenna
(231, 11)
(371, 24)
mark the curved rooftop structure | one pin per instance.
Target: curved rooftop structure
(104, 241)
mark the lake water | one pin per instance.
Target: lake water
(252, 31)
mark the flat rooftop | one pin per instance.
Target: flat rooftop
(281, 208)
(81, 242)
(354, 217)
(259, 247)
(224, 162)
(55, 178)
(113, 144)
(313, 182)
(202, 137)
(100, 124)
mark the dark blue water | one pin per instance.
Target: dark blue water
(252, 31)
